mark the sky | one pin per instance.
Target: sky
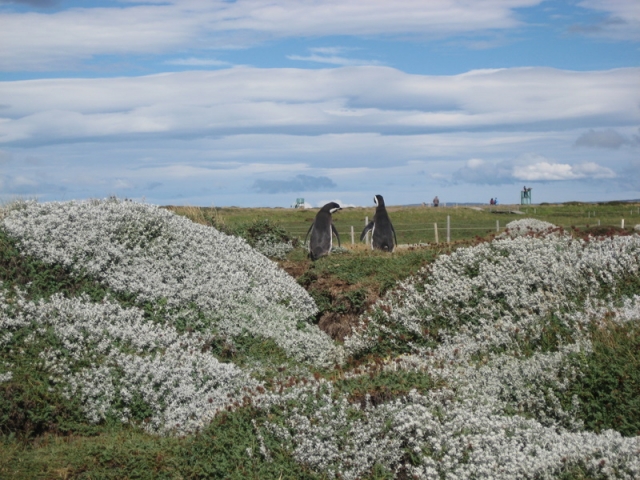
(255, 103)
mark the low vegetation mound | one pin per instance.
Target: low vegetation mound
(500, 360)
(188, 289)
(200, 278)
(529, 226)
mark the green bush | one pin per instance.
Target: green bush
(609, 388)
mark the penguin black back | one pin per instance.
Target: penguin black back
(383, 234)
(321, 231)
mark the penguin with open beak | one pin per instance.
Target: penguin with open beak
(322, 230)
(382, 232)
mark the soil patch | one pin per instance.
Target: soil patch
(340, 303)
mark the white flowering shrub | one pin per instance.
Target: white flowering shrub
(267, 237)
(463, 431)
(500, 418)
(529, 226)
(195, 275)
(498, 294)
(476, 321)
(330, 435)
(495, 334)
(122, 366)
(273, 248)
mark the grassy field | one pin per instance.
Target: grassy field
(416, 224)
(44, 435)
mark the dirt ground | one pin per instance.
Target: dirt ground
(340, 303)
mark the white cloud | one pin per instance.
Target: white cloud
(475, 163)
(332, 56)
(33, 3)
(121, 184)
(342, 204)
(21, 180)
(601, 139)
(5, 157)
(301, 183)
(331, 60)
(546, 171)
(404, 168)
(344, 100)
(528, 167)
(593, 170)
(47, 40)
(331, 50)
(622, 20)
(479, 171)
(197, 62)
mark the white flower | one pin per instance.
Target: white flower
(194, 274)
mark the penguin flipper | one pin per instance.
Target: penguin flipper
(366, 229)
(394, 235)
(308, 232)
(333, 229)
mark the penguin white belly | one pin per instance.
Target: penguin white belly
(373, 231)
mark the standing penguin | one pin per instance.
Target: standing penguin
(382, 231)
(321, 231)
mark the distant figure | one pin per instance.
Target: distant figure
(321, 231)
(436, 201)
(495, 201)
(526, 191)
(492, 202)
(382, 232)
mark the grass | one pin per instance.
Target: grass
(220, 451)
(608, 389)
(383, 386)
(416, 224)
(43, 435)
(41, 280)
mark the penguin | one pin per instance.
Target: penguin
(382, 232)
(321, 231)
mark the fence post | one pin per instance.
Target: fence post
(498, 226)
(622, 223)
(352, 242)
(435, 229)
(598, 222)
(448, 229)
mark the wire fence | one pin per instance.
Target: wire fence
(436, 232)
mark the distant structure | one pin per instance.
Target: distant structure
(299, 203)
(525, 196)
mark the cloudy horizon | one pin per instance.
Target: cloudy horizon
(256, 103)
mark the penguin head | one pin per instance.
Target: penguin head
(331, 207)
(379, 200)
